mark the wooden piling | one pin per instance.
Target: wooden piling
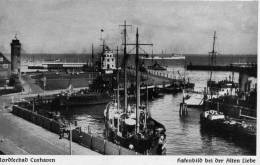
(183, 111)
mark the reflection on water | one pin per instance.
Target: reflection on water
(184, 135)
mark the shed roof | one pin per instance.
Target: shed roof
(3, 59)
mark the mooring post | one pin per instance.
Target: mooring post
(89, 131)
(183, 109)
(186, 109)
(180, 110)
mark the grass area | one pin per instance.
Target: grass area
(62, 80)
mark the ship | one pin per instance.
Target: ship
(81, 98)
(121, 129)
(99, 91)
(156, 66)
(214, 120)
(217, 115)
(172, 57)
(214, 89)
(220, 88)
(133, 127)
(223, 87)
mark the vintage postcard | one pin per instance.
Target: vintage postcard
(127, 78)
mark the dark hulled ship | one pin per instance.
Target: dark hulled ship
(132, 126)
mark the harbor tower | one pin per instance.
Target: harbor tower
(15, 56)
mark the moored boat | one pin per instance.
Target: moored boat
(82, 98)
(132, 126)
(121, 129)
(211, 118)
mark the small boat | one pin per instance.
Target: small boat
(216, 121)
(211, 116)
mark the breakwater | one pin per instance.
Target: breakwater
(95, 143)
(250, 69)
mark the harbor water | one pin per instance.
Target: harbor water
(184, 136)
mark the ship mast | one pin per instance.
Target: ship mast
(137, 45)
(103, 48)
(137, 82)
(124, 66)
(117, 77)
(137, 67)
(212, 60)
(213, 54)
(92, 56)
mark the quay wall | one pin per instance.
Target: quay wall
(88, 140)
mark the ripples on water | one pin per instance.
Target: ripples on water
(184, 136)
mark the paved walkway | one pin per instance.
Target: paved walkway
(18, 136)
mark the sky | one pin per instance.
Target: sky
(71, 26)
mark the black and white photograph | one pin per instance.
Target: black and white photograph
(129, 77)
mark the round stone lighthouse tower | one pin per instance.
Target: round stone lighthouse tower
(15, 56)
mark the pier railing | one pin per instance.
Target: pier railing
(95, 143)
(158, 78)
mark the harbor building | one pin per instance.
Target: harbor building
(5, 69)
(108, 61)
(15, 56)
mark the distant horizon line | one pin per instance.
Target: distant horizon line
(184, 54)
